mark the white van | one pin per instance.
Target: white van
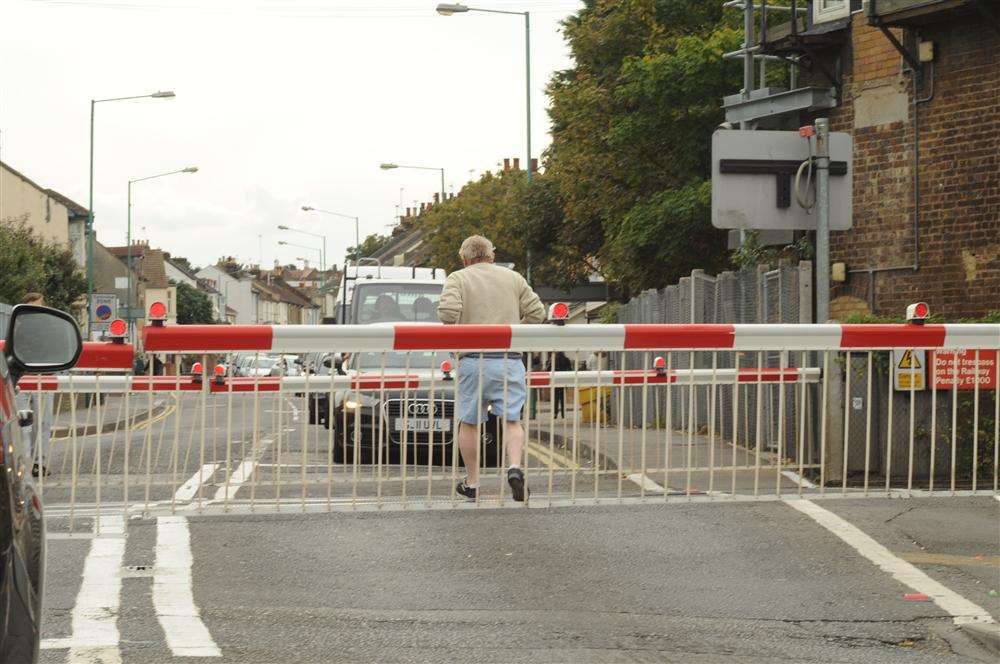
(377, 294)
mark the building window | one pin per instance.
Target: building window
(828, 10)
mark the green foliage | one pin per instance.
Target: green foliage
(193, 306)
(664, 238)
(370, 246)
(609, 313)
(990, 317)
(29, 264)
(515, 215)
(632, 123)
(752, 253)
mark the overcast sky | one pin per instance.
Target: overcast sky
(280, 103)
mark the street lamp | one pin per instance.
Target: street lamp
(128, 237)
(357, 226)
(301, 246)
(282, 227)
(389, 166)
(447, 9)
(162, 94)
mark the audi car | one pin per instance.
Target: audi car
(39, 340)
(396, 418)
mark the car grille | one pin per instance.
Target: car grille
(420, 408)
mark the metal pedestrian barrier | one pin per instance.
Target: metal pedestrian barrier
(378, 428)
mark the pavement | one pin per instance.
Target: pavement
(848, 580)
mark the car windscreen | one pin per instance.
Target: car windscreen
(396, 302)
(394, 362)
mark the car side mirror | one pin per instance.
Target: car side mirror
(41, 340)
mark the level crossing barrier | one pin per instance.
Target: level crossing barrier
(381, 435)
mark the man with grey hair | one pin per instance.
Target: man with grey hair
(487, 294)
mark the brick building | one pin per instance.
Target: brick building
(925, 117)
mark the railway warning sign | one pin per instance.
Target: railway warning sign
(964, 369)
(911, 369)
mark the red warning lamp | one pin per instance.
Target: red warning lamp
(917, 313)
(117, 330)
(660, 364)
(446, 368)
(157, 313)
(558, 313)
(220, 369)
(196, 368)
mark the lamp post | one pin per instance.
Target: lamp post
(447, 9)
(128, 240)
(302, 246)
(163, 94)
(388, 166)
(322, 262)
(357, 226)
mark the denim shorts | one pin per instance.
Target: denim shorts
(474, 397)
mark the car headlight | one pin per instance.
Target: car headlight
(354, 403)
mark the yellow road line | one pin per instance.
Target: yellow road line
(949, 559)
(530, 451)
(142, 425)
(546, 456)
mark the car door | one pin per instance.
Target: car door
(22, 537)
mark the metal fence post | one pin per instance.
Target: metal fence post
(833, 463)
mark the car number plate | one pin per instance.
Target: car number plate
(422, 424)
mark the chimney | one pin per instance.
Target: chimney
(517, 163)
(437, 198)
(305, 263)
(506, 164)
(534, 164)
(423, 206)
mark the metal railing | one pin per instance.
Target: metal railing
(382, 436)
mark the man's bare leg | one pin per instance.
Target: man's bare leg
(468, 445)
(513, 438)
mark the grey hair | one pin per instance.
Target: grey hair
(476, 249)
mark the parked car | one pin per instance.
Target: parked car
(39, 340)
(287, 365)
(259, 365)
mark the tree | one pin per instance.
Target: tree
(193, 306)
(515, 216)
(28, 264)
(370, 246)
(632, 121)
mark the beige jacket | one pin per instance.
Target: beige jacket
(488, 294)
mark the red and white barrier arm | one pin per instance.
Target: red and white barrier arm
(375, 382)
(402, 337)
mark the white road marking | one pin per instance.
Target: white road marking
(798, 479)
(645, 483)
(242, 473)
(94, 620)
(295, 409)
(173, 597)
(188, 490)
(962, 610)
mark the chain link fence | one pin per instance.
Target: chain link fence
(775, 417)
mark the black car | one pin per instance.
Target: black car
(394, 419)
(40, 340)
